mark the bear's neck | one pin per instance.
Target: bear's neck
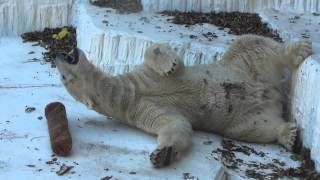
(111, 95)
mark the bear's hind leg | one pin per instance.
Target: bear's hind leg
(174, 137)
(264, 127)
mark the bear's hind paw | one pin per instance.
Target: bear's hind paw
(304, 49)
(288, 135)
(163, 156)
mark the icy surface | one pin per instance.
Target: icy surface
(19, 16)
(231, 5)
(116, 43)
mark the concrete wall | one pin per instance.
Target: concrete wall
(19, 16)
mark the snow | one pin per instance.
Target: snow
(100, 143)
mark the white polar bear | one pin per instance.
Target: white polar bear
(237, 97)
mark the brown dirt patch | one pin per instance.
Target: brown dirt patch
(238, 23)
(47, 39)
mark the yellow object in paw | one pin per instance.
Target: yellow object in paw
(61, 35)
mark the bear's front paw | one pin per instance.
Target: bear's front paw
(163, 156)
(169, 67)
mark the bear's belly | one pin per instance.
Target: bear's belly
(222, 104)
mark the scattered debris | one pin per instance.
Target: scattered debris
(187, 176)
(50, 162)
(273, 170)
(316, 14)
(29, 109)
(294, 19)
(64, 169)
(237, 22)
(193, 36)
(54, 160)
(305, 35)
(144, 19)
(8, 135)
(210, 35)
(122, 6)
(207, 142)
(31, 165)
(107, 178)
(62, 34)
(55, 40)
(32, 60)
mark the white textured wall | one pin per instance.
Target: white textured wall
(19, 16)
(306, 105)
(116, 51)
(230, 5)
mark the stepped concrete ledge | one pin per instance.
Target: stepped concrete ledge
(306, 105)
(231, 5)
(116, 43)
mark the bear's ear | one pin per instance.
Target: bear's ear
(157, 51)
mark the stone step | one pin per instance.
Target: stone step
(231, 5)
(116, 42)
(306, 105)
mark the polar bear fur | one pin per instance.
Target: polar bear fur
(237, 97)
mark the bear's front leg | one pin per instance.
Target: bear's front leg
(174, 137)
(174, 131)
(163, 60)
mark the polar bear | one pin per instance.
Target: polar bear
(237, 97)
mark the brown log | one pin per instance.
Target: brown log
(61, 141)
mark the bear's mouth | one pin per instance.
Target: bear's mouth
(71, 58)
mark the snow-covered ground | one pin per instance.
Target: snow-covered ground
(101, 146)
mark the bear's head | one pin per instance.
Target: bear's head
(74, 69)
